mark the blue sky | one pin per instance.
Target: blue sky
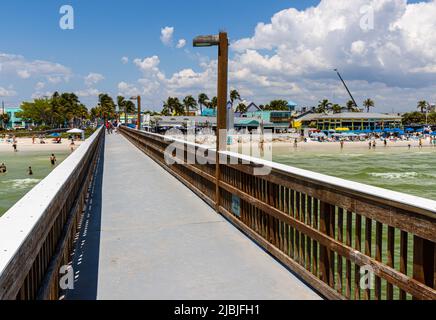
(106, 31)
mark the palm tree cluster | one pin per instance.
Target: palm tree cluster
(126, 106)
(173, 105)
(105, 108)
(59, 110)
(325, 106)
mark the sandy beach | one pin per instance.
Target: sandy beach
(25, 144)
(351, 145)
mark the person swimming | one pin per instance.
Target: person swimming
(3, 168)
(30, 171)
(53, 159)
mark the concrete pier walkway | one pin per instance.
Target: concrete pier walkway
(147, 236)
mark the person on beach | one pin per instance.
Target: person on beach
(385, 142)
(53, 159)
(342, 144)
(420, 143)
(33, 139)
(374, 144)
(410, 146)
(14, 145)
(3, 168)
(370, 145)
(72, 145)
(295, 143)
(30, 172)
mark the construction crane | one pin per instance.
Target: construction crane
(351, 96)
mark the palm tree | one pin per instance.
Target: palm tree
(242, 108)
(189, 103)
(336, 108)
(423, 105)
(202, 100)
(351, 107)
(324, 106)
(234, 95)
(107, 106)
(368, 103)
(121, 102)
(213, 103)
(4, 118)
(172, 106)
(129, 107)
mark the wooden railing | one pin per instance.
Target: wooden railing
(37, 234)
(326, 230)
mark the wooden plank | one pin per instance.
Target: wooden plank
(339, 284)
(378, 257)
(357, 246)
(324, 227)
(368, 251)
(348, 242)
(424, 261)
(390, 260)
(403, 259)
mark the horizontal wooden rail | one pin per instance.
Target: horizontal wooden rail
(37, 235)
(345, 239)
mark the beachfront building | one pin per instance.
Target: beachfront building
(14, 121)
(351, 120)
(164, 123)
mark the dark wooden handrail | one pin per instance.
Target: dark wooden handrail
(325, 229)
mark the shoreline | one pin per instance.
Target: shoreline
(26, 145)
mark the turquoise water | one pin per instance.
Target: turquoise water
(16, 182)
(409, 171)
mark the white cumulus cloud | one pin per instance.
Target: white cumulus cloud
(166, 35)
(93, 78)
(181, 43)
(7, 92)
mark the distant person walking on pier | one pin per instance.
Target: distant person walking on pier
(53, 159)
(108, 127)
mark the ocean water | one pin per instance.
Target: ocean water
(409, 171)
(16, 182)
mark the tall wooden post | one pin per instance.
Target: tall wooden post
(139, 112)
(221, 133)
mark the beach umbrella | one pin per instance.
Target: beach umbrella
(433, 133)
(410, 130)
(75, 131)
(342, 129)
(55, 135)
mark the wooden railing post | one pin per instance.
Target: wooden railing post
(424, 261)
